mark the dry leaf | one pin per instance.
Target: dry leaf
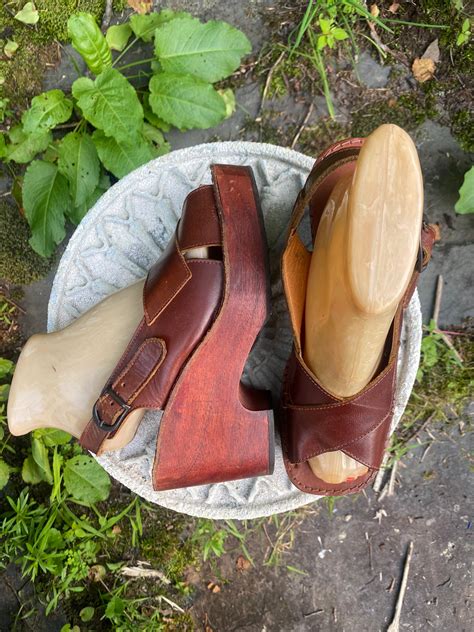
(213, 587)
(432, 52)
(242, 563)
(374, 11)
(393, 8)
(423, 69)
(140, 6)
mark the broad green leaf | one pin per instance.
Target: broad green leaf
(4, 473)
(186, 102)
(3, 147)
(144, 26)
(153, 118)
(52, 436)
(6, 367)
(79, 163)
(36, 467)
(115, 608)
(85, 480)
(46, 200)
(10, 48)
(76, 214)
(47, 110)
(465, 204)
(118, 35)
(87, 614)
(24, 146)
(89, 42)
(28, 15)
(55, 539)
(110, 103)
(122, 157)
(210, 51)
(30, 472)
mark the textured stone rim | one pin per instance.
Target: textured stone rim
(276, 169)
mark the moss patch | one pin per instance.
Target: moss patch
(23, 73)
(408, 111)
(463, 128)
(19, 264)
(54, 15)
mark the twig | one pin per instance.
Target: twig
(269, 78)
(438, 297)
(391, 482)
(12, 302)
(377, 486)
(436, 309)
(369, 546)
(107, 14)
(302, 126)
(395, 625)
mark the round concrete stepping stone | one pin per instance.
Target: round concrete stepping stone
(118, 241)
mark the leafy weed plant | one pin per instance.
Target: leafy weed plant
(116, 127)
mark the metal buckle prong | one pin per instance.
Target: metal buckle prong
(120, 402)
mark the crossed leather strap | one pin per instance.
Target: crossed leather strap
(180, 298)
(316, 421)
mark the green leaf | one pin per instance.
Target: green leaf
(118, 35)
(210, 51)
(465, 204)
(3, 147)
(79, 163)
(46, 200)
(36, 467)
(85, 480)
(55, 540)
(185, 101)
(122, 157)
(52, 437)
(4, 391)
(339, 34)
(76, 214)
(25, 147)
(89, 42)
(87, 614)
(229, 100)
(115, 608)
(144, 26)
(4, 473)
(151, 117)
(6, 368)
(110, 103)
(28, 15)
(47, 110)
(155, 136)
(10, 48)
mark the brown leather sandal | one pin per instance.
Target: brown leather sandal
(201, 318)
(313, 420)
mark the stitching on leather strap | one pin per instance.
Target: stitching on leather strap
(151, 319)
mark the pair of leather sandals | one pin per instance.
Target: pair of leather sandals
(201, 319)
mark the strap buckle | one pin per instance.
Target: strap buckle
(102, 425)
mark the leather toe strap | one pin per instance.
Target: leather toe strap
(357, 426)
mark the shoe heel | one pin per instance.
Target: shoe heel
(213, 428)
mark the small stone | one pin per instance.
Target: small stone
(371, 73)
(242, 563)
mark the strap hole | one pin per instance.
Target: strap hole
(122, 384)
